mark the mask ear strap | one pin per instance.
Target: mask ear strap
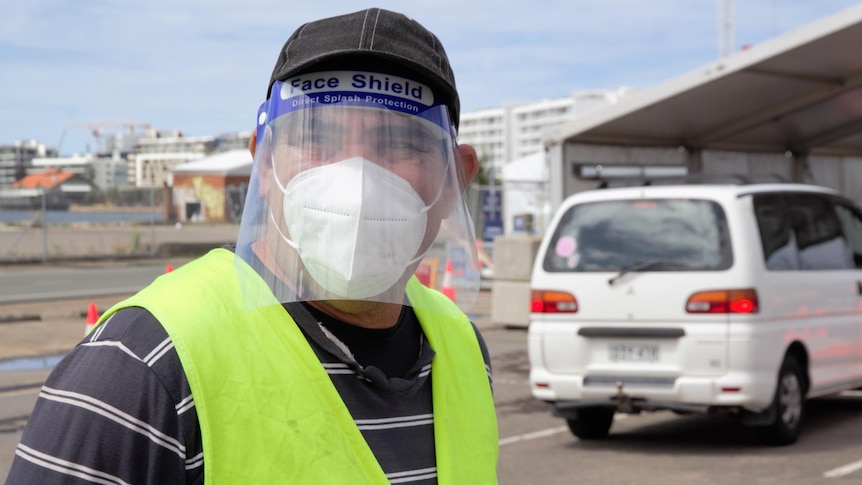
(275, 173)
(280, 233)
(440, 190)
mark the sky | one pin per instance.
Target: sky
(203, 66)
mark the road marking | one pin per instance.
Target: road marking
(534, 435)
(545, 433)
(845, 470)
(505, 380)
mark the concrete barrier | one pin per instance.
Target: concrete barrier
(513, 263)
(25, 245)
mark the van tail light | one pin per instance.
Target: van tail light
(723, 301)
(542, 301)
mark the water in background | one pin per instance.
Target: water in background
(70, 217)
(31, 363)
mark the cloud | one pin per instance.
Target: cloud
(202, 66)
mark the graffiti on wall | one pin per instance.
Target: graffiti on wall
(206, 198)
(235, 200)
(211, 198)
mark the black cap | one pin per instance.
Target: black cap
(376, 39)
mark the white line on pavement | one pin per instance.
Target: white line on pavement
(534, 435)
(543, 433)
(504, 380)
(845, 470)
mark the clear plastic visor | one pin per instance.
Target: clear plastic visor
(350, 200)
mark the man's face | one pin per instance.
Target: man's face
(410, 148)
(413, 150)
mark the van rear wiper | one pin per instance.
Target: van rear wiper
(642, 265)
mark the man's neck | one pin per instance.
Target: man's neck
(362, 313)
(366, 314)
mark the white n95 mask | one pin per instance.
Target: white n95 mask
(355, 225)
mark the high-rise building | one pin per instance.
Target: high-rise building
(232, 141)
(152, 158)
(17, 158)
(513, 131)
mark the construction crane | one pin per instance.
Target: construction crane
(98, 130)
(726, 28)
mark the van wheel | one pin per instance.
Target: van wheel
(592, 423)
(788, 404)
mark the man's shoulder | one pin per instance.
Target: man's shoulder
(140, 338)
(134, 326)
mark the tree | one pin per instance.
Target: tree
(483, 176)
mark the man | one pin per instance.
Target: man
(308, 352)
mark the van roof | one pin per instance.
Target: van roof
(700, 190)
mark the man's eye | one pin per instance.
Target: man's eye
(417, 145)
(315, 139)
(403, 145)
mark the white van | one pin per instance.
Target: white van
(736, 299)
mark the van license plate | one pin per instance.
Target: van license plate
(634, 353)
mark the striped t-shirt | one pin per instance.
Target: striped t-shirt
(118, 408)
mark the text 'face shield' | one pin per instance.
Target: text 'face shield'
(357, 185)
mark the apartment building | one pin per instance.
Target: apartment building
(105, 171)
(232, 141)
(17, 158)
(489, 132)
(152, 158)
(513, 131)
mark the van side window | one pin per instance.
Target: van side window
(821, 242)
(851, 223)
(776, 238)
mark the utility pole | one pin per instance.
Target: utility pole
(44, 225)
(152, 215)
(726, 28)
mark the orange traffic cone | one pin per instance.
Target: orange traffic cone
(92, 317)
(447, 287)
(169, 268)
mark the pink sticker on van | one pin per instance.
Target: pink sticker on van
(566, 246)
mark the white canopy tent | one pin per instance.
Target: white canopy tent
(791, 105)
(525, 194)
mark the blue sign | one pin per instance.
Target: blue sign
(492, 214)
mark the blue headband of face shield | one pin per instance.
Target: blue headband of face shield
(356, 89)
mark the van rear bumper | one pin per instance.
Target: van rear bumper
(752, 392)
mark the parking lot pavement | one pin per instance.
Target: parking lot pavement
(45, 328)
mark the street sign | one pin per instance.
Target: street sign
(492, 214)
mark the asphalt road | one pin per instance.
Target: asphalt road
(22, 285)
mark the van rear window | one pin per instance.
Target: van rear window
(660, 234)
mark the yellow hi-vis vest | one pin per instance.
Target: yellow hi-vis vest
(268, 411)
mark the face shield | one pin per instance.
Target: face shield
(357, 187)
